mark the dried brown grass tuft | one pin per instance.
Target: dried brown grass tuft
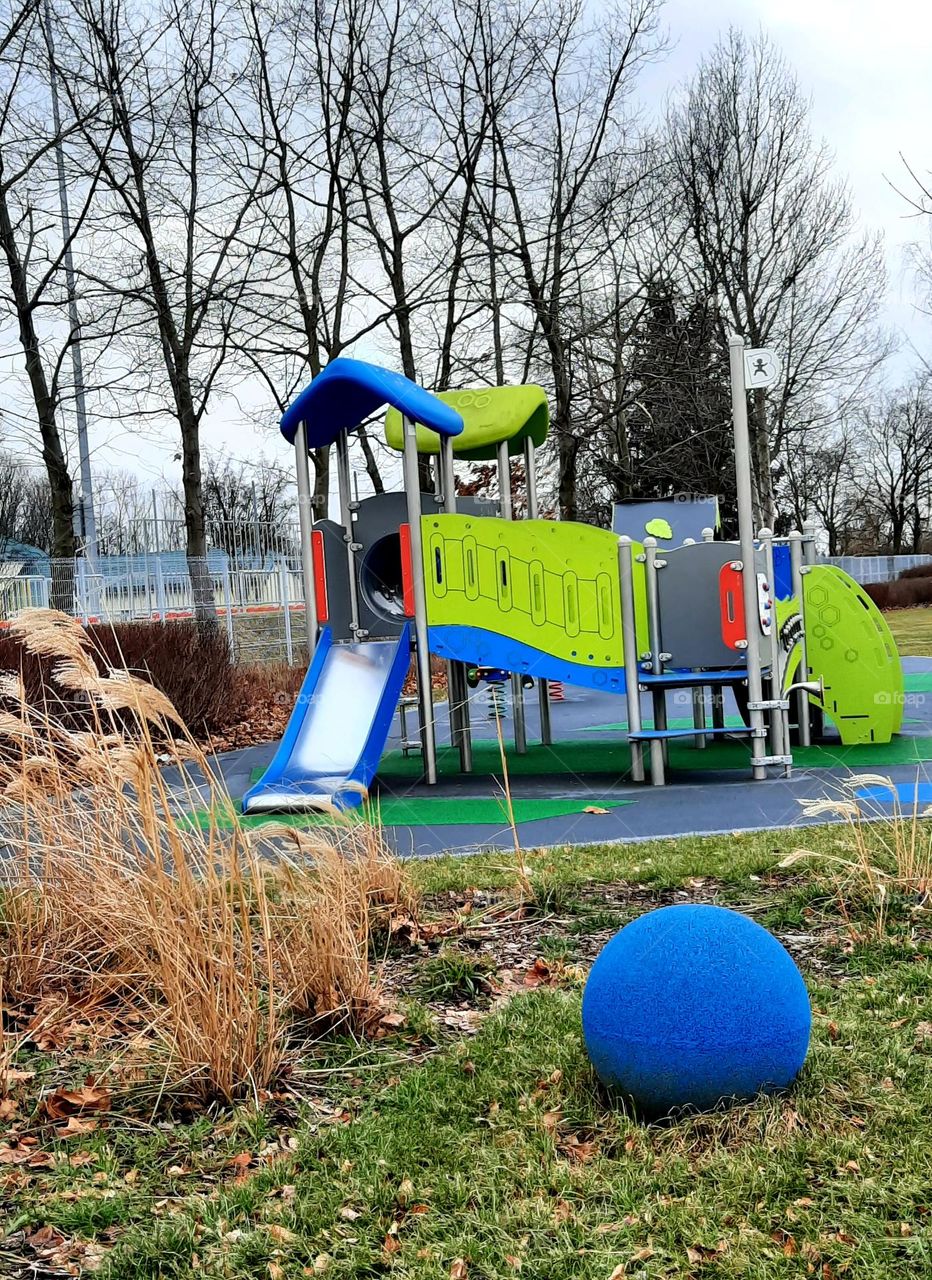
(109, 891)
(882, 856)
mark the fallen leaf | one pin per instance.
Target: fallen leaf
(405, 1191)
(75, 1127)
(697, 1254)
(538, 973)
(281, 1234)
(8, 1107)
(551, 1120)
(643, 1254)
(594, 808)
(392, 1021)
(576, 1151)
(459, 1270)
(68, 1102)
(13, 1075)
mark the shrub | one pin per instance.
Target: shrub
(192, 666)
(108, 890)
(918, 571)
(901, 593)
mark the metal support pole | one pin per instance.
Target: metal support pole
(412, 486)
(228, 604)
(457, 688)
(718, 708)
(629, 646)
(779, 719)
(447, 475)
(504, 481)
(802, 697)
(306, 526)
(344, 485)
(698, 701)
(533, 513)
(507, 512)
(810, 529)
(285, 595)
(739, 413)
(658, 697)
(160, 604)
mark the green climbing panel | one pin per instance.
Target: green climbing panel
(850, 646)
(553, 586)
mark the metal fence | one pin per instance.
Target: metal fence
(261, 607)
(876, 568)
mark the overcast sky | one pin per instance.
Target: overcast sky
(867, 65)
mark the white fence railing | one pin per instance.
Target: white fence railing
(877, 568)
(260, 608)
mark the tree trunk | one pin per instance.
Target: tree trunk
(567, 454)
(765, 515)
(64, 547)
(202, 589)
(372, 466)
(320, 498)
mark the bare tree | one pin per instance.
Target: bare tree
(896, 463)
(25, 505)
(307, 305)
(33, 296)
(177, 206)
(825, 480)
(568, 134)
(772, 236)
(249, 506)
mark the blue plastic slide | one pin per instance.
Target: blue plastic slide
(338, 729)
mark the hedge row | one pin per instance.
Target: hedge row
(193, 667)
(912, 587)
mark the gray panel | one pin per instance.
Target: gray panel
(335, 569)
(686, 515)
(690, 613)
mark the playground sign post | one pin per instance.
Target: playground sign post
(761, 368)
(739, 412)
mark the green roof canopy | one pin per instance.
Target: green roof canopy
(490, 415)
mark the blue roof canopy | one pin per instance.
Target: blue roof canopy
(347, 392)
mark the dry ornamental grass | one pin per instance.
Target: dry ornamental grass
(108, 891)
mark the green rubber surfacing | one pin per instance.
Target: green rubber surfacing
(418, 811)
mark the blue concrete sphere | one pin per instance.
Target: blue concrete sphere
(690, 1005)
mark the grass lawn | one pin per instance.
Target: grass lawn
(471, 1141)
(912, 631)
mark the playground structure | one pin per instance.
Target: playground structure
(546, 601)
